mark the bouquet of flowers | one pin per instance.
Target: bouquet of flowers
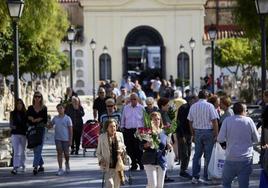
(146, 133)
(170, 128)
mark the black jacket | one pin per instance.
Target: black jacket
(183, 128)
(19, 120)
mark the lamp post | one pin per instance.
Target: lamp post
(212, 32)
(262, 10)
(182, 68)
(71, 35)
(105, 51)
(15, 8)
(192, 46)
(93, 47)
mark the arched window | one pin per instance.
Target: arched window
(183, 68)
(80, 83)
(79, 53)
(79, 63)
(105, 67)
(79, 73)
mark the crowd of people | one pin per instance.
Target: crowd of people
(203, 120)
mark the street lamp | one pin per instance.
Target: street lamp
(182, 68)
(71, 35)
(93, 47)
(192, 46)
(105, 51)
(212, 32)
(262, 10)
(15, 8)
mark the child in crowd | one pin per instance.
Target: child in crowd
(63, 137)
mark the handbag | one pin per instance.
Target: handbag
(35, 136)
(149, 157)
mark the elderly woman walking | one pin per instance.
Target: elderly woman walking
(76, 112)
(110, 147)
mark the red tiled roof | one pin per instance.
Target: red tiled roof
(225, 31)
(68, 1)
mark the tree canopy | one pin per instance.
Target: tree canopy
(247, 17)
(41, 28)
(237, 51)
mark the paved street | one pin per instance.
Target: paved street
(85, 173)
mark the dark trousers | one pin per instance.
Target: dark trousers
(132, 147)
(76, 139)
(184, 150)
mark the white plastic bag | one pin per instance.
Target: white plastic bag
(215, 166)
(170, 159)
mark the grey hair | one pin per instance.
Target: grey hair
(177, 94)
(149, 100)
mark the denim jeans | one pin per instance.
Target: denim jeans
(204, 141)
(18, 144)
(38, 159)
(241, 169)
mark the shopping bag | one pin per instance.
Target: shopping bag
(170, 159)
(263, 180)
(217, 159)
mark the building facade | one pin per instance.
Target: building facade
(143, 39)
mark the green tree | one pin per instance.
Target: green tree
(41, 28)
(247, 17)
(240, 52)
(244, 54)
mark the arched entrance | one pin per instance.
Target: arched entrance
(144, 55)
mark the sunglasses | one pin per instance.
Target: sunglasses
(109, 106)
(133, 99)
(37, 96)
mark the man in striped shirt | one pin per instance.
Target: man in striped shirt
(132, 118)
(203, 121)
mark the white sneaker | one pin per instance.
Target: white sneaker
(60, 172)
(195, 180)
(67, 167)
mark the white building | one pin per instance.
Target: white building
(143, 39)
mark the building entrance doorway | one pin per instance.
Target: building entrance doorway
(144, 56)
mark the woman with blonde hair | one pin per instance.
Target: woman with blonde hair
(110, 147)
(37, 118)
(154, 159)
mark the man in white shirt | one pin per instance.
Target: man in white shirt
(132, 118)
(203, 122)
